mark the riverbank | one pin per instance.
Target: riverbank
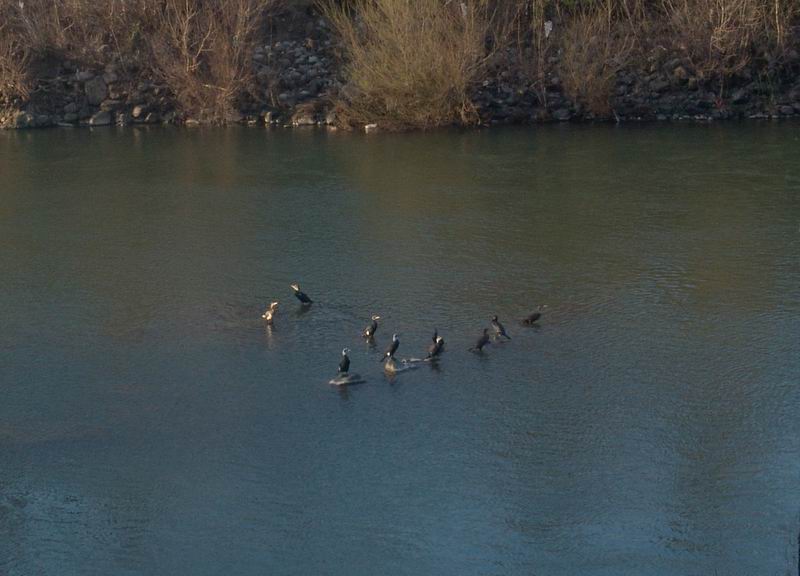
(297, 75)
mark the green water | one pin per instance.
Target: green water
(151, 424)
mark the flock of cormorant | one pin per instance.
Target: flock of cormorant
(435, 349)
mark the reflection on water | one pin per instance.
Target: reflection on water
(152, 424)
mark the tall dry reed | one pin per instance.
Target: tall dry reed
(410, 63)
(200, 49)
(595, 46)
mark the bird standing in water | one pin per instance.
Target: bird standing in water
(436, 348)
(268, 315)
(499, 330)
(534, 316)
(302, 296)
(482, 341)
(344, 364)
(389, 354)
(369, 331)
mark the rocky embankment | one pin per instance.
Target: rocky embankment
(297, 82)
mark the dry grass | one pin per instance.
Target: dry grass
(200, 49)
(717, 36)
(410, 63)
(14, 82)
(595, 46)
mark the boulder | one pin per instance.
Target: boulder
(562, 114)
(138, 111)
(102, 118)
(96, 90)
(24, 120)
(303, 117)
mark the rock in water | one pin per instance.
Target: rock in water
(102, 118)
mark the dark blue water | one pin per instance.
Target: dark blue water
(151, 424)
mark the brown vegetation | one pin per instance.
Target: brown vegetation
(410, 63)
(406, 63)
(200, 49)
(595, 46)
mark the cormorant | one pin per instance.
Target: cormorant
(302, 296)
(270, 312)
(534, 316)
(344, 365)
(391, 349)
(499, 330)
(436, 348)
(482, 341)
(369, 331)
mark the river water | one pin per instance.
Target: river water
(151, 424)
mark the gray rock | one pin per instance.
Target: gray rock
(110, 105)
(70, 108)
(70, 117)
(110, 77)
(43, 120)
(786, 110)
(739, 96)
(102, 118)
(680, 73)
(84, 75)
(562, 114)
(138, 111)
(96, 91)
(303, 118)
(123, 119)
(659, 85)
(24, 120)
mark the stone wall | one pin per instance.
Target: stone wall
(298, 80)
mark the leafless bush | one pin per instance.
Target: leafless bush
(202, 50)
(718, 36)
(410, 63)
(594, 47)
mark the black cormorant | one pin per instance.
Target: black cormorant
(369, 331)
(534, 316)
(302, 296)
(391, 349)
(499, 330)
(344, 365)
(436, 348)
(482, 341)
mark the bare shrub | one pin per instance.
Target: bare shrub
(13, 67)
(410, 63)
(202, 49)
(594, 47)
(718, 36)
